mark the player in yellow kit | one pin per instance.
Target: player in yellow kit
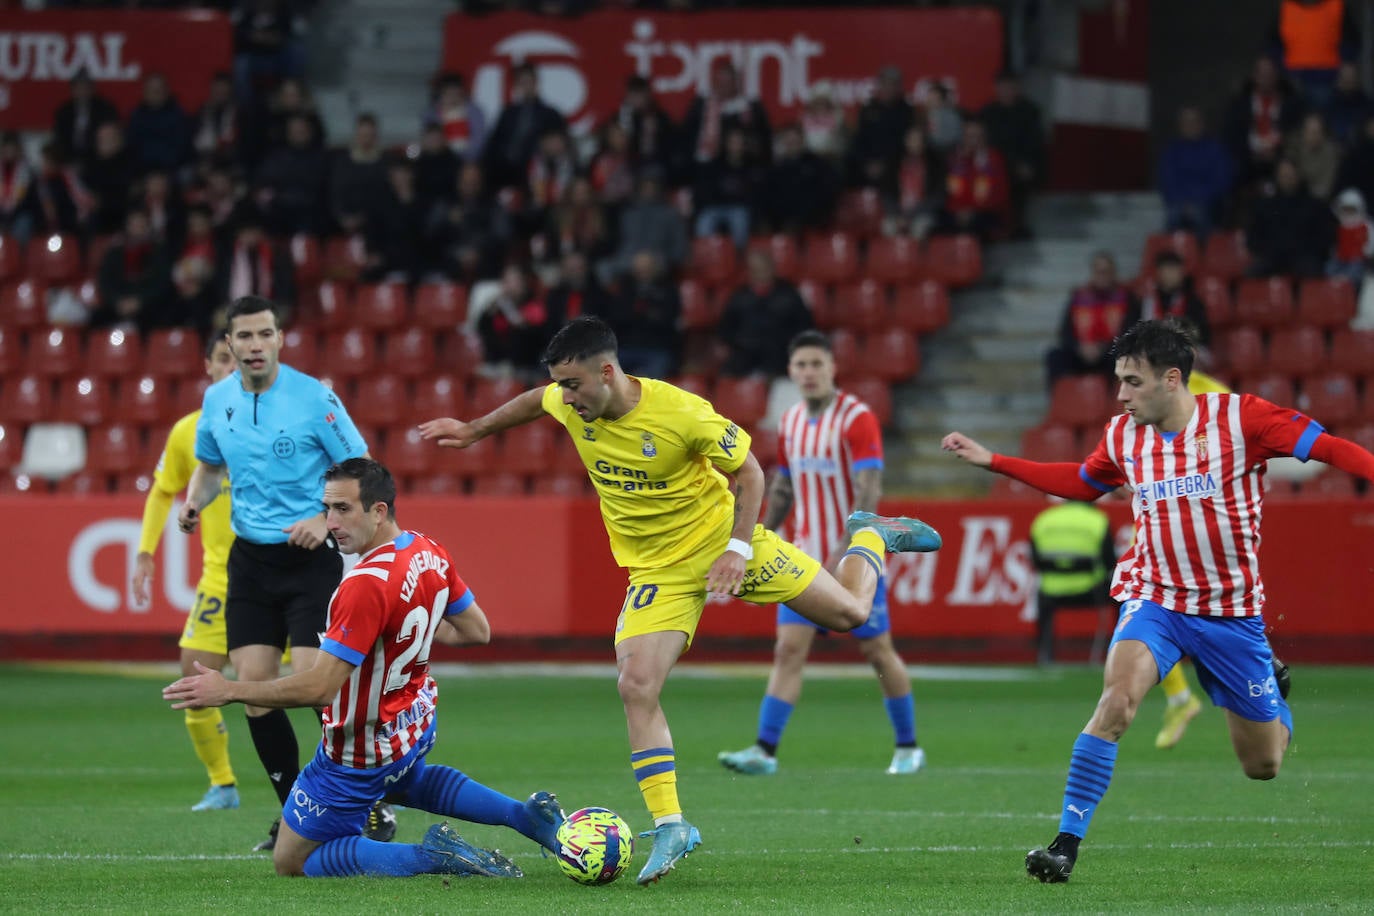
(203, 639)
(658, 457)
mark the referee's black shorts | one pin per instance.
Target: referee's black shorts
(279, 591)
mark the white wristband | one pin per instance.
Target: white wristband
(743, 548)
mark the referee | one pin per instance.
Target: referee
(274, 431)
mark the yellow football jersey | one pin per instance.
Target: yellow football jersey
(1202, 383)
(655, 470)
(173, 474)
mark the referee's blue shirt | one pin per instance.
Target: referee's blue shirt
(276, 444)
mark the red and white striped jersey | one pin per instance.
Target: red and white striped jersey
(1197, 496)
(382, 619)
(821, 454)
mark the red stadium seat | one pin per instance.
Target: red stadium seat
(11, 446)
(743, 400)
(434, 485)
(1273, 387)
(1080, 400)
(860, 213)
(25, 399)
(1183, 244)
(55, 352)
(893, 259)
(501, 484)
(891, 354)
(562, 483)
(300, 349)
(382, 306)
(379, 399)
(831, 257)
(1331, 398)
(11, 351)
(713, 261)
(54, 259)
(115, 449)
(173, 353)
(783, 249)
(408, 455)
(845, 347)
(874, 392)
(134, 482)
(861, 306)
(1051, 442)
(954, 260)
(411, 352)
(84, 400)
(489, 394)
(1225, 256)
(305, 257)
(350, 353)
(11, 259)
(188, 395)
(440, 396)
(21, 305)
(921, 308)
(699, 313)
(145, 400)
(826, 312)
(343, 258)
(481, 458)
(84, 483)
(1215, 294)
(697, 383)
(441, 306)
(1353, 352)
(1327, 302)
(333, 308)
(460, 353)
(1264, 302)
(526, 449)
(114, 353)
(1328, 485)
(1296, 351)
(1240, 351)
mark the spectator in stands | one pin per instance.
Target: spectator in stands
(1172, 296)
(551, 172)
(108, 173)
(256, 266)
(395, 244)
(612, 169)
(1357, 168)
(976, 185)
(18, 215)
(1195, 176)
(800, 189)
(759, 319)
(650, 223)
(914, 199)
(223, 197)
(577, 291)
(726, 191)
(268, 46)
(944, 122)
(713, 116)
(470, 232)
(77, 119)
(823, 124)
(195, 284)
(63, 203)
(216, 131)
(881, 129)
(577, 223)
(644, 314)
(1316, 155)
(459, 119)
(1258, 118)
(289, 101)
(1311, 38)
(1015, 129)
(159, 132)
(523, 121)
(292, 181)
(436, 166)
(1095, 314)
(159, 198)
(515, 326)
(1348, 106)
(134, 279)
(357, 178)
(1354, 244)
(1290, 231)
(651, 134)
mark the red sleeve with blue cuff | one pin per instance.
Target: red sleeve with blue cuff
(1060, 478)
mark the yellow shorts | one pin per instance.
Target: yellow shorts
(673, 597)
(205, 630)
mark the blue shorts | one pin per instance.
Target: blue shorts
(1231, 655)
(876, 625)
(330, 800)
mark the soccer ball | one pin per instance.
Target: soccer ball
(594, 846)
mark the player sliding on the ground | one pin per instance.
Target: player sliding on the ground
(373, 674)
(658, 457)
(1190, 583)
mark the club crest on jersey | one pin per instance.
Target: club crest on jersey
(589, 434)
(648, 451)
(1200, 446)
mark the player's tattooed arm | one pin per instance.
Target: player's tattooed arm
(780, 498)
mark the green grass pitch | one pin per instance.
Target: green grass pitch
(97, 778)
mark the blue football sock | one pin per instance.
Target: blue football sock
(348, 856)
(902, 712)
(773, 716)
(452, 793)
(1090, 772)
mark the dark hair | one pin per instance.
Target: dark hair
(366, 117)
(1168, 256)
(220, 336)
(1163, 343)
(250, 305)
(375, 483)
(809, 338)
(579, 339)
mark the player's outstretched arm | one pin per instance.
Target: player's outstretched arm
(468, 627)
(315, 687)
(967, 449)
(1056, 479)
(1344, 455)
(519, 410)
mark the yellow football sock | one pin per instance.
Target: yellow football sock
(211, 741)
(1175, 685)
(656, 771)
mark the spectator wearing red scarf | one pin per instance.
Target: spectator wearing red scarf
(977, 187)
(1258, 118)
(462, 123)
(135, 278)
(1095, 315)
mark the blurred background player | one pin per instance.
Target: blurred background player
(658, 457)
(372, 669)
(830, 462)
(203, 639)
